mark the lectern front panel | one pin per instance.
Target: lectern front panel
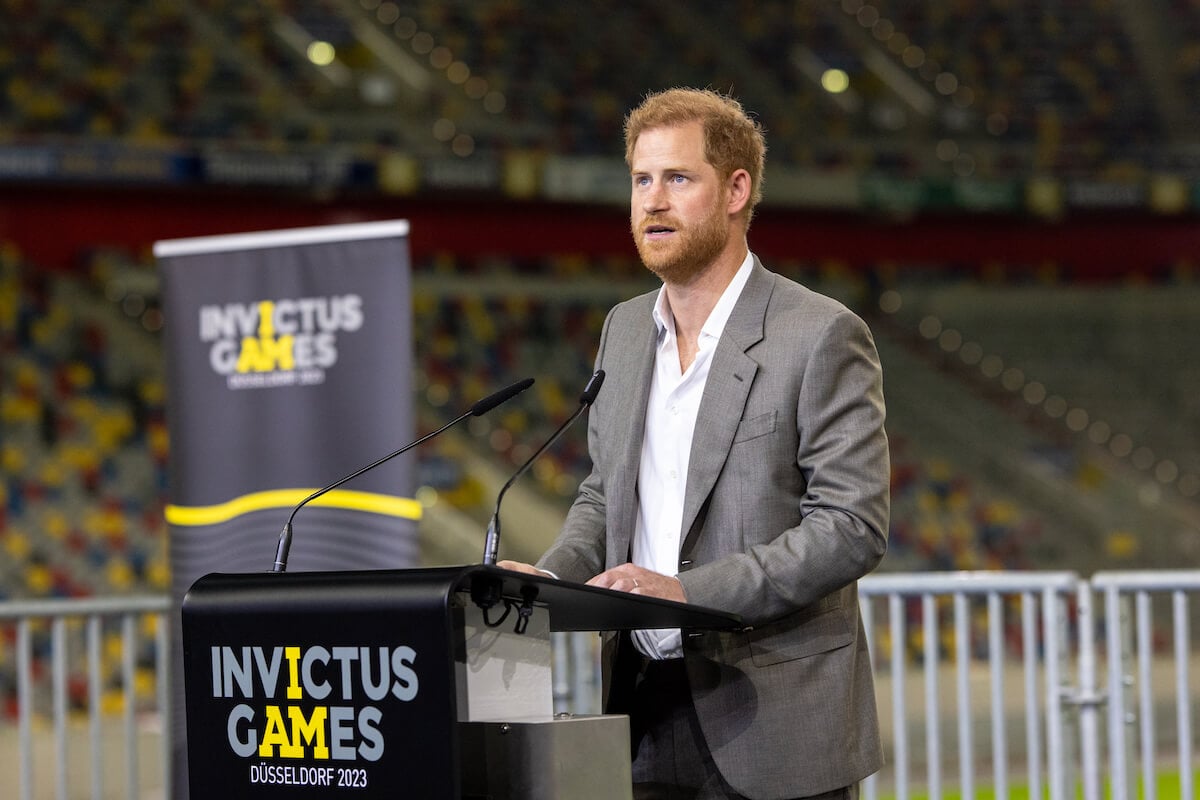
(334, 685)
(346, 684)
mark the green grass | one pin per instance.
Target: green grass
(1167, 787)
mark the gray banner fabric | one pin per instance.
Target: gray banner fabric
(289, 365)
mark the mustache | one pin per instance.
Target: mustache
(659, 222)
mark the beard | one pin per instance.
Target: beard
(688, 252)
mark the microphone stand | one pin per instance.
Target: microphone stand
(479, 408)
(486, 594)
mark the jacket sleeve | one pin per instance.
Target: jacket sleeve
(578, 553)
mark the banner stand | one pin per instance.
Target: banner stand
(288, 361)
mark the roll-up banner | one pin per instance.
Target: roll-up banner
(289, 365)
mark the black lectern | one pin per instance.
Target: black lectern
(360, 684)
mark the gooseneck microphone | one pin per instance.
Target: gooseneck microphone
(491, 545)
(480, 408)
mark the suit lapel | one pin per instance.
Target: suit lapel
(633, 356)
(729, 380)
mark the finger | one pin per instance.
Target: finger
(604, 580)
(518, 566)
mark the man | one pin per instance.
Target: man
(739, 463)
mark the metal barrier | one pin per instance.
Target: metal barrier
(93, 613)
(1044, 652)
(1129, 634)
(1068, 708)
(1005, 691)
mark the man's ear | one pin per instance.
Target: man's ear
(739, 191)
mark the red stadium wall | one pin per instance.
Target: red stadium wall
(53, 225)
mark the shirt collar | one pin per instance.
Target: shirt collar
(714, 326)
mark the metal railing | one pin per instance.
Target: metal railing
(1129, 634)
(984, 680)
(1044, 650)
(93, 613)
(1068, 708)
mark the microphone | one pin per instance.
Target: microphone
(480, 408)
(491, 545)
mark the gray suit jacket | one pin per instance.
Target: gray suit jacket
(786, 507)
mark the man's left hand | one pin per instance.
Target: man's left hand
(638, 580)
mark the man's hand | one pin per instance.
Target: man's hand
(520, 566)
(638, 580)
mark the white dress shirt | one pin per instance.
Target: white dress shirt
(667, 445)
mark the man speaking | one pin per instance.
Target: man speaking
(739, 462)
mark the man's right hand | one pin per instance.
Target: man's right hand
(520, 566)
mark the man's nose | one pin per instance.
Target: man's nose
(654, 198)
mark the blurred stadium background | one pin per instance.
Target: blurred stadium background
(1007, 190)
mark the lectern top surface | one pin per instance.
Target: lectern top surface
(573, 606)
